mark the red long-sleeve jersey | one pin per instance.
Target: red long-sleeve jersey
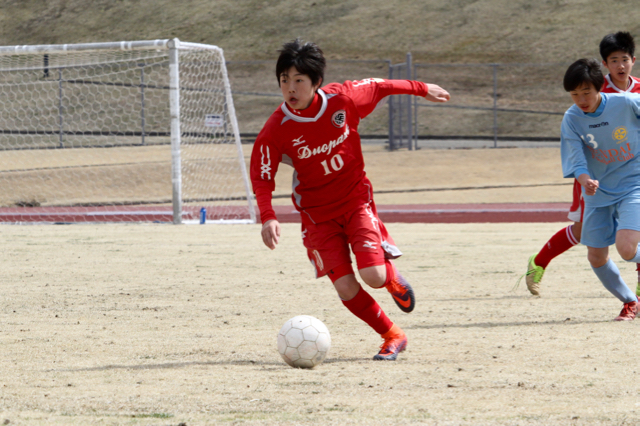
(323, 146)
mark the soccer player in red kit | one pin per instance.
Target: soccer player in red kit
(315, 130)
(617, 52)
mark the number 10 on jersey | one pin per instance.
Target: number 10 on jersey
(336, 163)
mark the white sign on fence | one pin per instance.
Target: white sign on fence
(213, 120)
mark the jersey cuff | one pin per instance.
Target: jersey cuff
(576, 173)
(267, 216)
(263, 199)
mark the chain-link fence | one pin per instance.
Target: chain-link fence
(496, 102)
(490, 102)
(401, 119)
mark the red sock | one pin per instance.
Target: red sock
(391, 272)
(367, 309)
(562, 241)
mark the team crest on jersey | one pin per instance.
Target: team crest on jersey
(620, 134)
(339, 118)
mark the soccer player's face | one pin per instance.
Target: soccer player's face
(586, 97)
(297, 89)
(619, 65)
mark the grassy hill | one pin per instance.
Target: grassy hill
(433, 30)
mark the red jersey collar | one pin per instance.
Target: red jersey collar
(312, 113)
(630, 84)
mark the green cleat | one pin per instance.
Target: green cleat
(534, 276)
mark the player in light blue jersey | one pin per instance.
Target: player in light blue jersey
(618, 57)
(600, 148)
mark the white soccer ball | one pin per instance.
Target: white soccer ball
(304, 341)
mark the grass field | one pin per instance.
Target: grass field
(169, 325)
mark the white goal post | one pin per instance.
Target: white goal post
(140, 131)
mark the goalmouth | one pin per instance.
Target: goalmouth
(142, 131)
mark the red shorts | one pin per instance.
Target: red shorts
(576, 211)
(328, 242)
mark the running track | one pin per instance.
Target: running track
(414, 213)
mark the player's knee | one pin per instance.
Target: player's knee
(626, 245)
(627, 251)
(347, 287)
(374, 276)
(596, 258)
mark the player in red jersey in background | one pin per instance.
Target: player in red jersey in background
(617, 51)
(315, 130)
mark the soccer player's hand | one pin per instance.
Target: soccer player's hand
(437, 94)
(271, 233)
(590, 185)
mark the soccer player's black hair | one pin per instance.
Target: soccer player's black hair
(583, 71)
(306, 57)
(620, 41)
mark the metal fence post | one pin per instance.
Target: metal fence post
(495, 105)
(391, 112)
(60, 121)
(409, 104)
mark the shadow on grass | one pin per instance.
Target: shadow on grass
(172, 365)
(567, 321)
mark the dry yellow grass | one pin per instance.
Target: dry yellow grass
(433, 30)
(168, 325)
(523, 175)
(426, 176)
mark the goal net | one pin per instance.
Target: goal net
(123, 131)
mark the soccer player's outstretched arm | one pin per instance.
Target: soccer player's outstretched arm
(367, 93)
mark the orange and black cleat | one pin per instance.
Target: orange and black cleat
(395, 341)
(402, 293)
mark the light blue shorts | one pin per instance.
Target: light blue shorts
(600, 224)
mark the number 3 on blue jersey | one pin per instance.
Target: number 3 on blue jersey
(591, 141)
